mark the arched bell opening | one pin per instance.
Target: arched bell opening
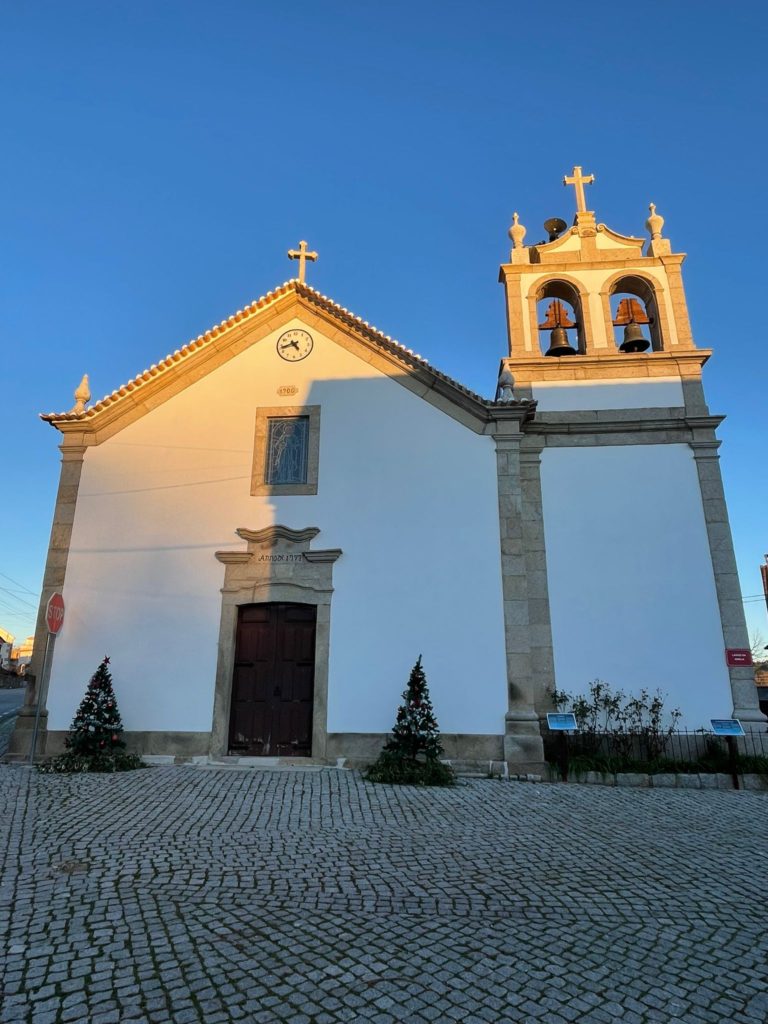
(559, 320)
(634, 316)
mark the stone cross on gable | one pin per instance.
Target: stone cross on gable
(302, 256)
(579, 180)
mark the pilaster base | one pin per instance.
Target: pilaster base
(523, 745)
(752, 719)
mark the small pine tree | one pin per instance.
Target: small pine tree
(96, 729)
(415, 731)
(95, 742)
(412, 753)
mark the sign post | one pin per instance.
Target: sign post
(54, 619)
(730, 728)
(562, 723)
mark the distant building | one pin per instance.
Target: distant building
(21, 655)
(6, 646)
(761, 681)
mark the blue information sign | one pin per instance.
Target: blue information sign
(564, 722)
(726, 727)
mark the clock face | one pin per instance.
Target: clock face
(294, 345)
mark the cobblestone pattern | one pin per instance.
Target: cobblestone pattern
(7, 723)
(188, 895)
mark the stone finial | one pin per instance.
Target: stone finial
(82, 396)
(505, 388)
(655, 222)
(517, 232)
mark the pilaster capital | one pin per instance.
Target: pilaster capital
(531, 456)
(507, 442)
(705, 449)
(72, 452)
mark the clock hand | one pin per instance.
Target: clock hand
(294, 343)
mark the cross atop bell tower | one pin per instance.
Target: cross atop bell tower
(622, 298)
(579, 180)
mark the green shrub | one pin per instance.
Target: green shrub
(71, 763)
(616, 728)
(395, 769)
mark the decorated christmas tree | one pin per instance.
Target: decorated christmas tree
(95, 741)
(412, 753)
(96, 729)
(415, 732)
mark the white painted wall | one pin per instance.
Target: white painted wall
(631, 588)
(408, 494)
(557, 396)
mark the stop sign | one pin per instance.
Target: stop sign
(54, 613)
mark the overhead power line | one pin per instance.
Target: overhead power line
(34, 593)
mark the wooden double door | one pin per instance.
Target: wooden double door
(273, 680)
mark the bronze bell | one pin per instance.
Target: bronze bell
(559, 344)
(633, 339)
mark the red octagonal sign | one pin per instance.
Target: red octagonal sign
(54, 613)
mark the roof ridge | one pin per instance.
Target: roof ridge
(252, 309)
(395, 346)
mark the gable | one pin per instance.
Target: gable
(258, 324)
(221, 410)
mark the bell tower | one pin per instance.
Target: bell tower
(637, 584)
(566, 296)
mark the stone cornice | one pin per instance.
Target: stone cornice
(270, 535)
(641, 366)
(329, 555)
(291, 545)
(233, 557)
(505, 420)
(623, 421)
(566, 264)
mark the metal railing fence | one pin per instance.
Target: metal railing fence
(679, 751)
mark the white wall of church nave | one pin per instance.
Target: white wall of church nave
(407, 493)
(556, 396)
(631, 586)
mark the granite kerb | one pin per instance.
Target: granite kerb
(677, 780)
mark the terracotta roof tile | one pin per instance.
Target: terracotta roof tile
(203, 340)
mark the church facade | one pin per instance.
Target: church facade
(293, 507)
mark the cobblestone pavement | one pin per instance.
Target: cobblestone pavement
(191, 894)
(7, 722)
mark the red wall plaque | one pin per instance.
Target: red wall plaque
(738, 656)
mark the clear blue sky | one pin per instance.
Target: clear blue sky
(160, 157)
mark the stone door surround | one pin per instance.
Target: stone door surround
(277, 565)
